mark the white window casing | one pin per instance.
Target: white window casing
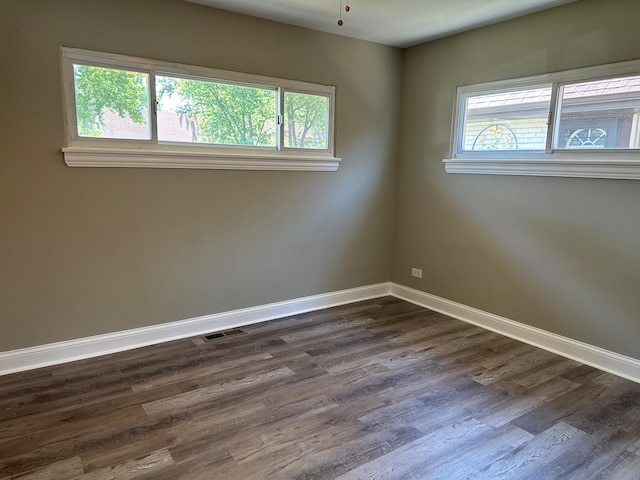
(579, 140)
(88, 151)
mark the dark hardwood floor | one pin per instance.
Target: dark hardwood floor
(376, 389)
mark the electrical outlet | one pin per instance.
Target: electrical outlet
(416, 272)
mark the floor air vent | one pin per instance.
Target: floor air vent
(227, 333)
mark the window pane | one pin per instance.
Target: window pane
(306, 120)
(599, 114)
(514, 120)
(111, 103)
(209, 112)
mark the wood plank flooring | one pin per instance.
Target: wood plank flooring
(372, 390)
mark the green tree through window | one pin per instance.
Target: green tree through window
(305, 120)
(223, 113)
(126, 111)
(121, 91)
(215, 112)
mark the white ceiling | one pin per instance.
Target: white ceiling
(400, 23)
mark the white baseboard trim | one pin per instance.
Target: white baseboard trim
(597, 357)
(71, 350)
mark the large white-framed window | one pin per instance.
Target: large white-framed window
(123, 111)
(576, 123)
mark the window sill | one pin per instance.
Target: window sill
(165, 158)
(614, 168)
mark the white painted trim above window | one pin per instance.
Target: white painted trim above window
(611, 163)
(83, 151)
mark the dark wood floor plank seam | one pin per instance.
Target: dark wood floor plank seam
(374, 389)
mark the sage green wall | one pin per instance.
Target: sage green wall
(85, 251)
(561, 254)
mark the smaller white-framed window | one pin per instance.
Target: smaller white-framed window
(135, 112)
(577, 123)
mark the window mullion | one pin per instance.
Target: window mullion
(153, 107)
(280, 120)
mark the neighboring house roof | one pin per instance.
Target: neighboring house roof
(603, 87)
(619, 86)
(518, 97)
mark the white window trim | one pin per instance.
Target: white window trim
(613, 164)
(100, 152)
